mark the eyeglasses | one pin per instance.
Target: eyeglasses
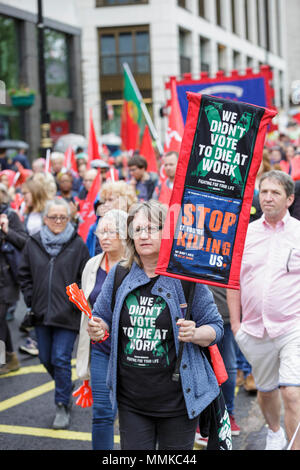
(148, 230)
(101, 233)
(57, 218)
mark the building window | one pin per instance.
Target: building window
(233, 16)
(124, 45)
(247, 20)
(258, 23)
(57, 63)
(181, 3)
(9, 57)
(204, 55)
(185, 60)
(266, 8)
(10, 123)
(110, 3)
(10, 119)
(279, 26)
(218, 13)
(237, 61)
(222, 57)
(201, 7)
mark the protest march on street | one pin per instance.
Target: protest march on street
(151, 277)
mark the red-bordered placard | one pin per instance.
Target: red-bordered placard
(221, 151)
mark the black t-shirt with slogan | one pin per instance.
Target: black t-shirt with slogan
(147, 356)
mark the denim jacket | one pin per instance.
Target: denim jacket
(199, 384)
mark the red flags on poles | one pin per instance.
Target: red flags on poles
(21, 175)
(87, 212)
(112, 175)
(162, 173)
(93, 148)
(148, 152)
(175, 129)
(70, 160)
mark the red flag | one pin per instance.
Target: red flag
(11, 174)
(175, 129)
(147, 151)
(70, 160)
(112, 175)
(162, 173)
(16, 203)
(93, 148)
(87, 213)
(22, 175)
(130, 130)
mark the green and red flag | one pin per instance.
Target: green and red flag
(131, 114)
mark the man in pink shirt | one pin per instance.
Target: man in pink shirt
(265, 313)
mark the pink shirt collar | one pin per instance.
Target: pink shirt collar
(279, 224)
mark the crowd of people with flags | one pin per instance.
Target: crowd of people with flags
(92, 184)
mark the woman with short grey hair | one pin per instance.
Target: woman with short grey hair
(52, 259)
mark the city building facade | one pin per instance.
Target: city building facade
(88, 40)
(19, 67)
(163, 38)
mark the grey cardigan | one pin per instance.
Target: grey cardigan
(198, 380)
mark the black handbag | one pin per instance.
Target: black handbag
(214, 423)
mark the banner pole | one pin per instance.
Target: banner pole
(176, 373)
(144, 108)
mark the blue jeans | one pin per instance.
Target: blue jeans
(55, 352)
(228, 352)
(103, 414)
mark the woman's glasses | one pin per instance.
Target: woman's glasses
(57, 218)
(151, 229)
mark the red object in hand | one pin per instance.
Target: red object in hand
(77, 296)
(218, 364)
(84, 394)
